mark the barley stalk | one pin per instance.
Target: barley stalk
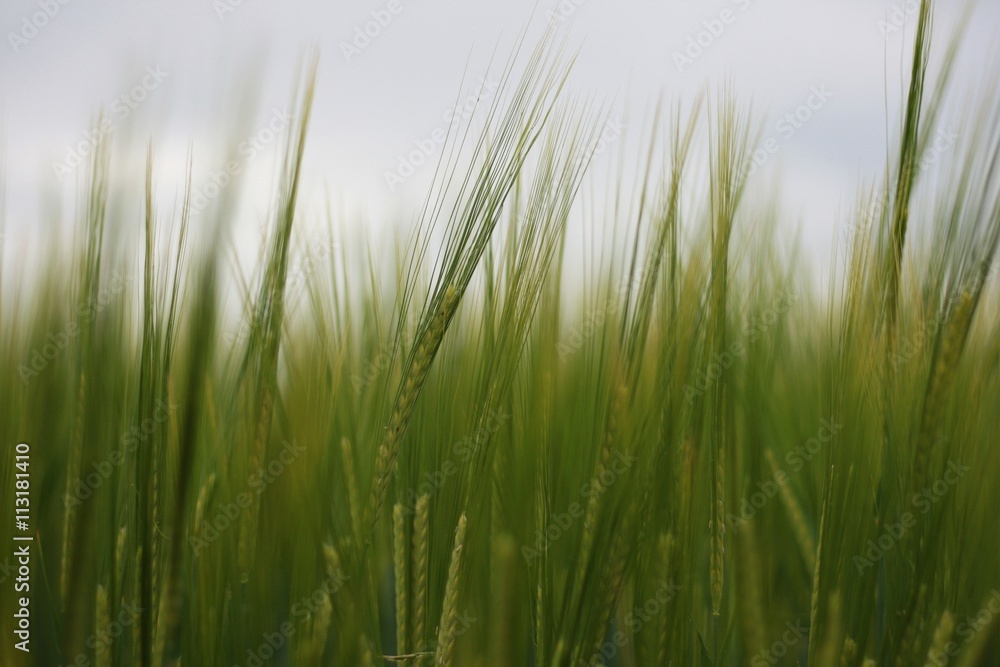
(70, 514)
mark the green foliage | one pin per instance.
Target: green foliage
(688, 457)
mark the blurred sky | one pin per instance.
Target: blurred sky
(190, 61)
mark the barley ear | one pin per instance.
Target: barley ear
(426, 348)
(717, 560)
(204, 497)
(446, 629)
(399, 560)
(942, 635)
(420, 545)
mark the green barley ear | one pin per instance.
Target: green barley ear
(426, 349)
(367, 655)
(906, 174)
(619, 403)
(313, 646)
(334, 567)
(399, 560)
(972, 656)
(249, 518)
(939, 385)
(119, 582)
(204, 497)
(335, 572)
(421, 541)
(614, 578)
(717, 558)
(942, 635)
(848, 652)
(449, 611)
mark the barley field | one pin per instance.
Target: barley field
(467, 451)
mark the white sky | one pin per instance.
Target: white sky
(373, 108)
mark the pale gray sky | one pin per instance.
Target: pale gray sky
(181, 64)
